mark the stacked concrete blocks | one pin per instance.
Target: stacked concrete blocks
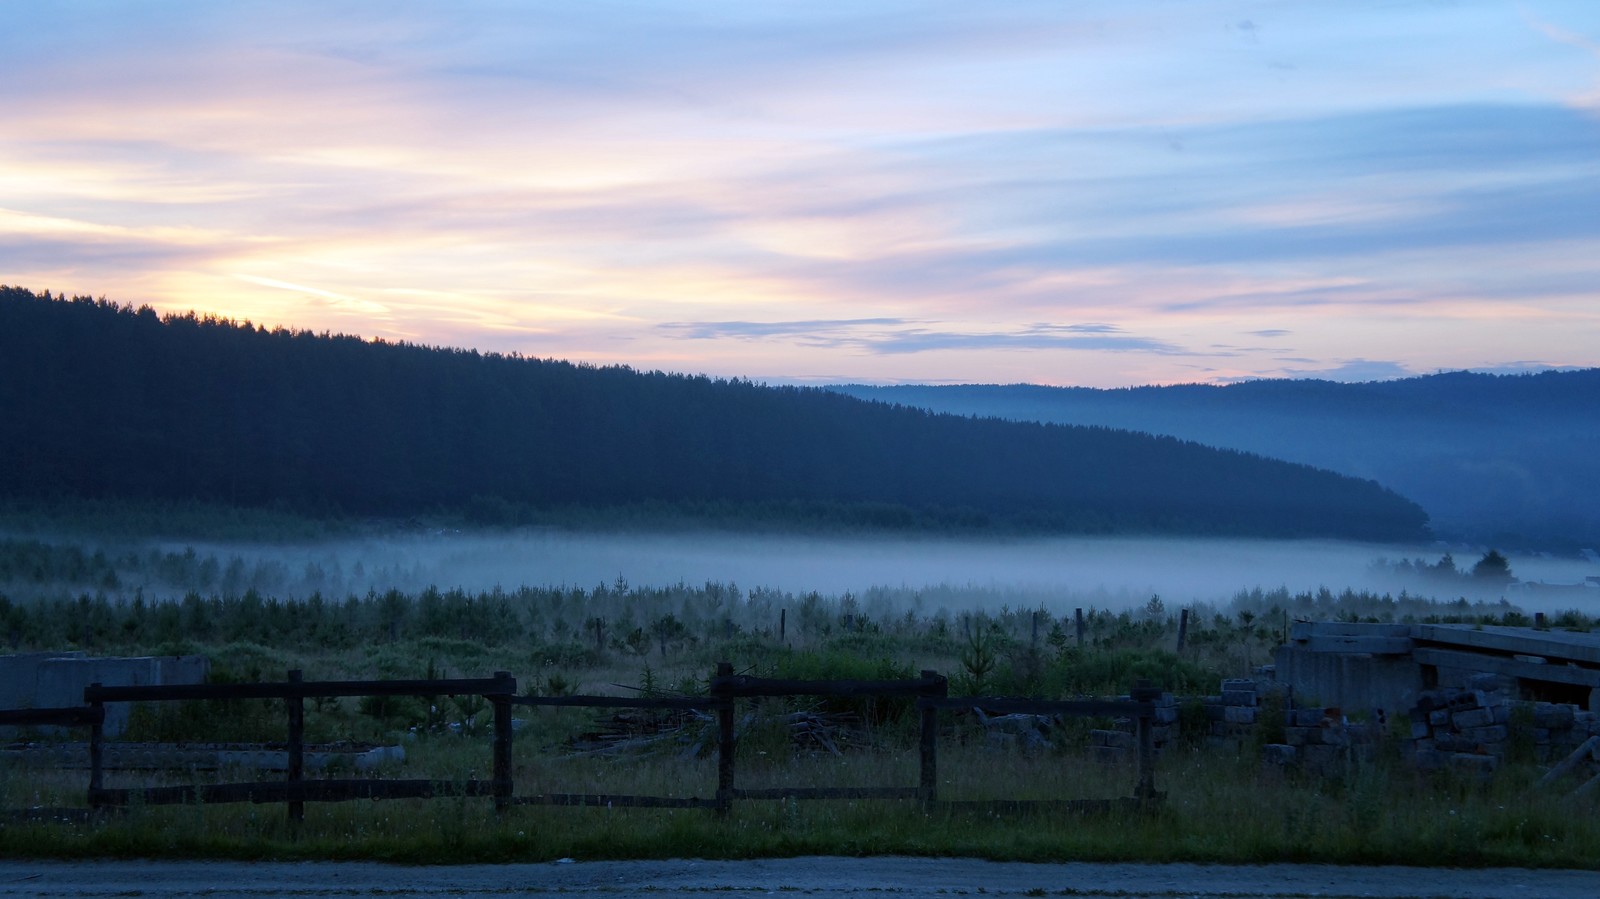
(1120, 741)
(1323, 741)
(1231, 715)
(1477, 729)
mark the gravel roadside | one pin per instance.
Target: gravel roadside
(810, 876)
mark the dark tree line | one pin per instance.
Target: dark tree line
(1507, 460)
(99, 400)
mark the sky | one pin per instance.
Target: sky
(1090, 193)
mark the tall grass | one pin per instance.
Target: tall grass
(1218, 808)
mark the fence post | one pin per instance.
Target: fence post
(297, 749)
(1183, 629)
(503, 785)
(97, 750)
(722, 689)
(1146, 695)
(783, 626)
(928, 785)
(1078, 614)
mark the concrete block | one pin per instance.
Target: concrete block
(1279, 754)
(1239, 698)
(1300, 736)
(1240, 684)
(1113, 738)
(1553, 716)
(1108, 755)
(1323, 759)
(1237, 714)
(1501, 713)
(1166, 715)
(1491, 682)
(1494, 733)
(1439, 717)
(1478, 717)
(1420, 730)
(1471, 763)
(57, 680)
(1429, 759)
(1467, 699)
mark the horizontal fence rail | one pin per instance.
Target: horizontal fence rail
(930, 692)
(617, 702)
(75, 716)
(292, 689)
(295, 790)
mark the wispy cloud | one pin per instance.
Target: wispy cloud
(900, 336)
(814, 331)
(896, 192)
(1355, 370)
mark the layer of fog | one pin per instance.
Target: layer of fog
(1054, 573)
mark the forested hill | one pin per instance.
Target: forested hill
(104, 401)
(1512, 460)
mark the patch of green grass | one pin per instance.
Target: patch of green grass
(1219, 809)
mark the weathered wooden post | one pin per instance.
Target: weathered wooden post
(97, 749)
(296, 704)
(1078, 613)
(783, 626)
(935, 688)
(722, 690)
(503, 785)
(1183, 629)
(1538, 620)
(1146, 695)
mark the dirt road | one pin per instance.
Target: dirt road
(814, 876)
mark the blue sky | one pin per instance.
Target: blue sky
(1096, 193)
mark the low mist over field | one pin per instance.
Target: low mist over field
(1056, 573)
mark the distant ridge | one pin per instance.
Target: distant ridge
(100, 401)
(1512, 460)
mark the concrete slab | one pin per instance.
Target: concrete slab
(1473, 661)
(1377, 645)
(1304, 630)
(1352, 681)
(1556, 646)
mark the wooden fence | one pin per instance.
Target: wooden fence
(930, 693)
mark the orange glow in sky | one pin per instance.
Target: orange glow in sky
(1098, 193)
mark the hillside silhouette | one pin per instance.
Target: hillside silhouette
(1510, 460)
(99, 400)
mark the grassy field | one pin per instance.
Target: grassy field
(1222, 804)
(1219, 808)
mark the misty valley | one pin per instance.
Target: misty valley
(318, 513)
